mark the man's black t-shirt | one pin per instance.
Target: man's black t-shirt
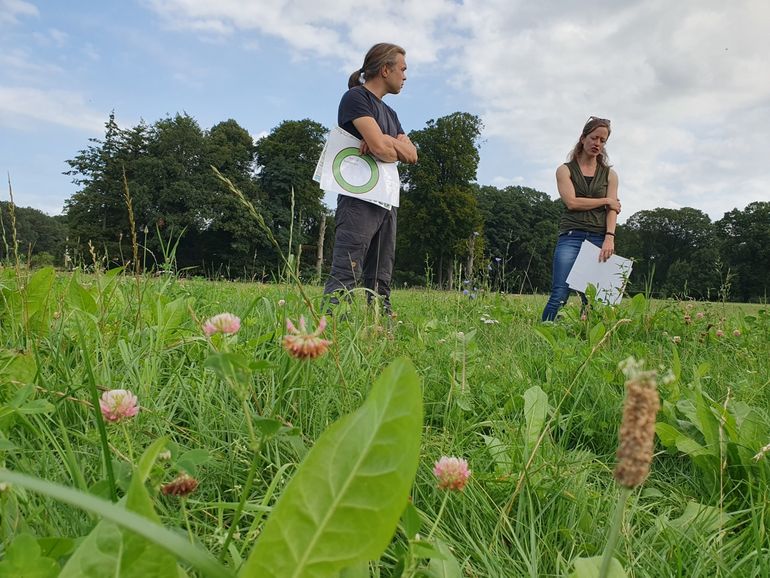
(358, 102)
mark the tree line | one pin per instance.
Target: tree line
(452, 230)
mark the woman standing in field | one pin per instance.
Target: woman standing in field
(589, 189)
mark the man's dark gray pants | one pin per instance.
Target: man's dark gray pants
(364, 245)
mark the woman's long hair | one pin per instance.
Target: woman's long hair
(379, 55)
(592, 124)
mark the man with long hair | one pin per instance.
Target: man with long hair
(365, 238)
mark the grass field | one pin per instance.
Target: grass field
(534, 409)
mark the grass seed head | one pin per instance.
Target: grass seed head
(637, 431)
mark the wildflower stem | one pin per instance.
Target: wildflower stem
(186, 517)
(269, 233)
(128, 442)
(438, 517)
(256, 446)
(242, 504)
(612, 538)
(98, 415)
(555, 414)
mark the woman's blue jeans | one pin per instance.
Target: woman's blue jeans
(567, 249)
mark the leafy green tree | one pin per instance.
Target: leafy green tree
(520, 228)
(174, 194)
(448, 152)
(232, 238)
(178, 148)
(97, 212)
(36, 233)
(286, 160)
(439, 211)
(745, 249)
(674, 250)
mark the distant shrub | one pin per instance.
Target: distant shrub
(43, 259)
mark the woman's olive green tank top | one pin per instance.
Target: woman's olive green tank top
(595, 220)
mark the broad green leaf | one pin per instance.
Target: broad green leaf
(80, 298)
(343, 504)
(112, 551)
(546, 334)
(591, 293)
(190, 460)
(261, 365)
(500, 453)
(266, 426)
(463, 400)
(667, 434)
(709, 423)
(171, 541)
(172, 318)
(676, 364)
(21, 404)
(700, 519)
(231, 368)
(36, 406)
(445, 566)
(535, 412)
(596, 333)
(56, 547)
(17, 367)
(692, 448)
(6, 445)
(10, 298)
(23, 560)
(38, 290)
(652, 493)
(148, 459)
(359, 570)
(687, 408)
(752, 427)
(589, 568)
(411, 520)
(424, 549)
(702, 370)
(98, 555)
(637, 306)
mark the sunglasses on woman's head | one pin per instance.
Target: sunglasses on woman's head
(598, 119)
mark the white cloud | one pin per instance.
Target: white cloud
(503, 182)
(90, 52)
(685, 83)
(52, 37)
(11, 10)
(339, 29)
(19, 66)
(22, 107)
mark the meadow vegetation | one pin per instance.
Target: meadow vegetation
(244, 459)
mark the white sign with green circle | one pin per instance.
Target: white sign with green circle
(354, 172)
(342, 169)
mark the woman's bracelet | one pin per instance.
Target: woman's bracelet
(608, 233)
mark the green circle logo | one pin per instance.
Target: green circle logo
(337, 171)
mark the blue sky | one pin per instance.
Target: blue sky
(686, 84)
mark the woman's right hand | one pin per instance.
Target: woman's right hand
(613, 205)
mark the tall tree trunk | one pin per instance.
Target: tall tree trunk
(319, 254)
(471, 255)
(469, 266)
